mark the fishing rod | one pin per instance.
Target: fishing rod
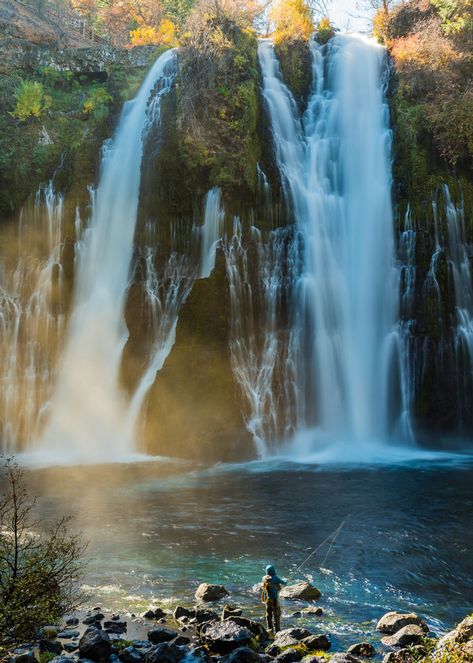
(332, 538)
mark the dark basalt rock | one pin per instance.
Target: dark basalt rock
(131, 655)
(68, 634)
(95, 644)
(49, 646)
(160, 634)
(71, 647)
(317, 642)
(289, 656)
(204, 615)
(94, 619)
(22, 656)
(164, 653)
(223, 637)
(72, 621)
(255, 627)
(179, 612)
(115, 627)
(242, 655)
(363, 649)
(405, 637)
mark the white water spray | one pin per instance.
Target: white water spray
(211, 230)
(335, 166)
(86, 412)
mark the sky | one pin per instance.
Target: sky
(345, 15)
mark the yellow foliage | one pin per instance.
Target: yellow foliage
(325, 30)
(420, 51)
(380, 25)
(29, 100)
(293, 21)
(148, 35)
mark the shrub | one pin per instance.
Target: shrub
(29, 100)
(325, 30)
(97, 104)
(39, 571)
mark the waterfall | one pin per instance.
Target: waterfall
(87, 409)
(211, 230)
(335, 167)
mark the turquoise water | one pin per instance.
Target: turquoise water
(156, 530)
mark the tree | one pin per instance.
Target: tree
(293, 21)
(39, 569)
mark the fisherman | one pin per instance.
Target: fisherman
(272, 585)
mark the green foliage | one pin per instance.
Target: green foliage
(46, 656)
(97, 104)
(295, 60)
(39, 570)
(456, 15)
(324, 30)
(29, 100)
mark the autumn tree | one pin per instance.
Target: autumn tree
(39, 568)
(293, 21)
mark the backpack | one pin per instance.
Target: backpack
(268, 588)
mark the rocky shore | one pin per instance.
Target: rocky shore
(214, 630)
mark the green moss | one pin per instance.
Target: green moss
(295, 60)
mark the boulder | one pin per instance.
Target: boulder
(131, 655)
(179, 612)
(405, 637)
(401, 656)
(242, 655)
(49, 646)
(311, 610)
(311, 658)
(317, 643)
(255, 627)
(231, 611)
(115, 627)
(224, 637)
(394, 621)
(22, 656)
(290, 637)
(71, 647)
(300, 591)
(204, 615)
(154, 613)
(208, 592)
(460, 639)
(344, 658)
(161, 634)
(166, 652)
(95, 644)
(94, 619)
(363, 649)
(289, 656)
(72, 621)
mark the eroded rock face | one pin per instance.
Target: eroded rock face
(461, 638)
(394, 621)
(301, 591)
(208, 592)
(95, 644)
(363, 649)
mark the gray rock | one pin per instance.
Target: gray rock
(363, 649)
(208, 592)
(166, 652)
(63, 659)
(317, 642)
(71, 646)
(131, 655)
(289, 656)
(115, 627)
(401, 656)
(344, 658)
(290, 637)
(22, 656)
(95, 644)
(300, 591)
(405, 637)
(242, 655)
(160, 634)
(224, 637)
(72, 621)
(93, 619)
(313, 659)
(49, 646)
(204, 615)
(394, 621)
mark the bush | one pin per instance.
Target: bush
(325, 30)
(97, 104)
(29, 100)
(39, 571)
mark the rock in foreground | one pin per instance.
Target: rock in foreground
(95, 644)
(394, 621)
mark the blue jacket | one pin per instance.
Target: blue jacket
(272, 582)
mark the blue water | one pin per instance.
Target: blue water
(157, 530)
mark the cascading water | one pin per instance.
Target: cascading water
(86, 412)
(211, 231)
(335, 167)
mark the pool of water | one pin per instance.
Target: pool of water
(158, 529)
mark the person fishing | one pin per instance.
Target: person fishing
(272, 585)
